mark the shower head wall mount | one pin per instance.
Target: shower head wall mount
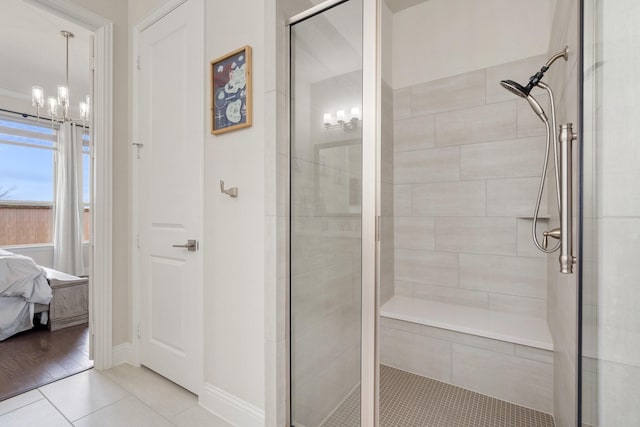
(525, 91)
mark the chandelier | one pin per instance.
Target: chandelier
(58, 107)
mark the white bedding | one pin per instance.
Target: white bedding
(23, 283)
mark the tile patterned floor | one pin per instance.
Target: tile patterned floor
(124, 396)
(409, 400)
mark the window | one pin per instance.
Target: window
(26, 161)
(27, 156)
(27, 181)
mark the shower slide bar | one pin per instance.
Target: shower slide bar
(567, 136)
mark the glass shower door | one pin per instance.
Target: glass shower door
(326, 216)
(611, 209)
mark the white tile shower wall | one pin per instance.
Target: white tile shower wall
(387, 202)
(387, 238)
(515, 373)
(466, 165)
(562, 289)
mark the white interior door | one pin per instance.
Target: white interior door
(169, 194)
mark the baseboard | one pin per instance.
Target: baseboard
(123, 353)
(231, 408)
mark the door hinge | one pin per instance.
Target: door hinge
(138, 330)
(138, 145)
(138, 240)
(139, 67)
(377, 228)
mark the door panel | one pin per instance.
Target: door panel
(610, 275)
(326, 213)
(170, 189)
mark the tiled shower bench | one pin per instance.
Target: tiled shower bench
(499, 354)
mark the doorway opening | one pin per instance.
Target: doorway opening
(42, 148)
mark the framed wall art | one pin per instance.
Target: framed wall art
(231, 91)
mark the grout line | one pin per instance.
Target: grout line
(104, 407)
(98, 409)
(56, 408)
(25, 405)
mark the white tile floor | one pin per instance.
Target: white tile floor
(124, 396)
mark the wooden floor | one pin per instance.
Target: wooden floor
(37, 357)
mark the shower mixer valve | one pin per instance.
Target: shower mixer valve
(555, 234)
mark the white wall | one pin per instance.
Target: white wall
(442, 38)
(234, 239)
(562, 288)
(234, 228)
(19, 102)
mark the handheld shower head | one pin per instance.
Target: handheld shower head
(515, 88)
(525, 92)
(535, 106)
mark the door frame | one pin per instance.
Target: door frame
(101, 269)
(154, 16)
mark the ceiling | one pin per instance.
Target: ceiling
(398, 5)
(33, 52)
(329, 44)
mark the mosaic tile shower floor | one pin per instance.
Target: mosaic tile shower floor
(409, 400)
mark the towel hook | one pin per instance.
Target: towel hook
(232, 192)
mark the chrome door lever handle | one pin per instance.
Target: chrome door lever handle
(191, 246)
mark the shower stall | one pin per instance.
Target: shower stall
(460, 255)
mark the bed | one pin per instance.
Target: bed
(24, 291)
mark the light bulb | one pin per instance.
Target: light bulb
(37, 96)
(340, 116)
(326, 119)
(355, 113)
(84, 110)
(63, 95)
(53, 106)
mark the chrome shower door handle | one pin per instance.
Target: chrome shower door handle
(191, 246)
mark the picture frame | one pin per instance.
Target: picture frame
(231, 95)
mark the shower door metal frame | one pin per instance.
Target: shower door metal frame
(371, 161)
(371, 209)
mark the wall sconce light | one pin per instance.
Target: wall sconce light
(341, 121)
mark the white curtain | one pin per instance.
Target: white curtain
(69, 210)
